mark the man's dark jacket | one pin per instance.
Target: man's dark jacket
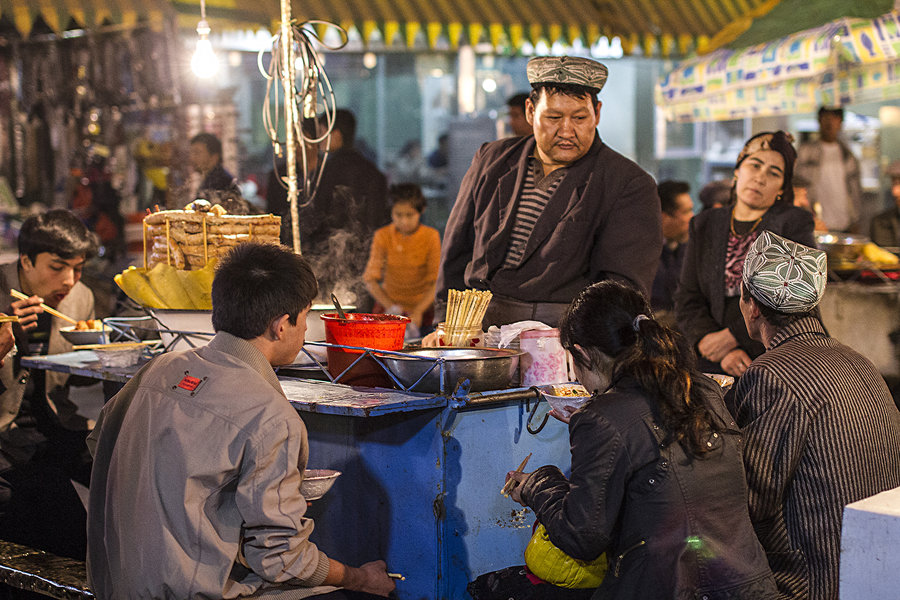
(603, 221)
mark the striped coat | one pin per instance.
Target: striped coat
(820, 431)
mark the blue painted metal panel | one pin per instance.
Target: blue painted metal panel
(484, 530)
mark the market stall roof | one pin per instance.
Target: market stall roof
(845, 60)
(651, 27)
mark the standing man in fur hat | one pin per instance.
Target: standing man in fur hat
(820, 428)
(540, 217)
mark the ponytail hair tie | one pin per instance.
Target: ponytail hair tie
(636, 324)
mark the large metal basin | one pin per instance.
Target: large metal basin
(486, 368)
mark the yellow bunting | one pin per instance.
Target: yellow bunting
(535, 30)
(412, 30)
(475, 30)
(515, 35)
(555, 33)
(368, 28)
(391, 29)
(495, 31)
(454, 33)
(433, 31)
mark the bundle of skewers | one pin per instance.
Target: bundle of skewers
(465, 311)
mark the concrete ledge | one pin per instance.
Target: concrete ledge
(43, 573)
(870, 554)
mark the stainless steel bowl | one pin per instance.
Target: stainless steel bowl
(841, 248)
(485, 368)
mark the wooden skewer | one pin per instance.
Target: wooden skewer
(9, 319)
(20, 296)
(509, 485)
(396, 576)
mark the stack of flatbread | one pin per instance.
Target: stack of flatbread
(188, 240)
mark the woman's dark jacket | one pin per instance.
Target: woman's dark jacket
(700, 298)
(672, 527)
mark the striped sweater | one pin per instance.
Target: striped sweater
(820, 431)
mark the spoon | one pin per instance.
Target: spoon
(337, 305)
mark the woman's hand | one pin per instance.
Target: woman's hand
(519, 478)
(431, 340)
(714, 346)
(563, 415)
(736, 362)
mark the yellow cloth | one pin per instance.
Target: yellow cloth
(406, 266)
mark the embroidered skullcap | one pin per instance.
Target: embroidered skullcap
(784, 275)
(572, 70)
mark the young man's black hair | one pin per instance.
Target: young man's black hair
(58, 232)
(257, 283)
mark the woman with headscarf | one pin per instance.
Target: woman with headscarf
(657, 480)
(707, 303)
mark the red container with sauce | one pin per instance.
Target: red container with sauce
(367, 330)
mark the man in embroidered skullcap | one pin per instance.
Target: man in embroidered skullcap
(540, 217)
(820, 428)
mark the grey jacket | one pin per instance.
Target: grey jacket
(195, 488)
(78, 304)
(820, 431)
(602, 221)
(672, 526)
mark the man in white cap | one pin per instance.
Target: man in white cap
(540, 217)
(820, 428)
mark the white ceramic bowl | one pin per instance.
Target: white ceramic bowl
(560, 395)
(84, 336)
(316, 482)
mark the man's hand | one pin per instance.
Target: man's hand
(7, 340)
(714, 346)
(371, 578)
(27, 311)
(736, 362)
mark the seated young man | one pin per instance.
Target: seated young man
(41, 434)
(195, 491)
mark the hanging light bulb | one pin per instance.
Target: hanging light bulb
(204, 62)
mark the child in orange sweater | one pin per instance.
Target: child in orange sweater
(403, 262)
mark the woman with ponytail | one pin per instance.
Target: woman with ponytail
(657, 480)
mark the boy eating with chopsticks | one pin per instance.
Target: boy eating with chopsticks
(41, 437)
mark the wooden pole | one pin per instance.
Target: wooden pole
(290, 117)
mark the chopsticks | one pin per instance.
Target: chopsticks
(396, 576)
(116, 345)
(509, 485)
(465, 310)
(20, 296)
(9, 319)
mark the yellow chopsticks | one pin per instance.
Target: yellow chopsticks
(20, 296)
(9, 319)
(115, 345)
(509, 485)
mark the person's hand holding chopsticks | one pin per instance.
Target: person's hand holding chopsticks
(514, 479)
(27, 310)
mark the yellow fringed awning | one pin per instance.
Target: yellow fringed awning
(653, 27)
(59, 15)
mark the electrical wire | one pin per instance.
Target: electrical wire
(311, 84)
